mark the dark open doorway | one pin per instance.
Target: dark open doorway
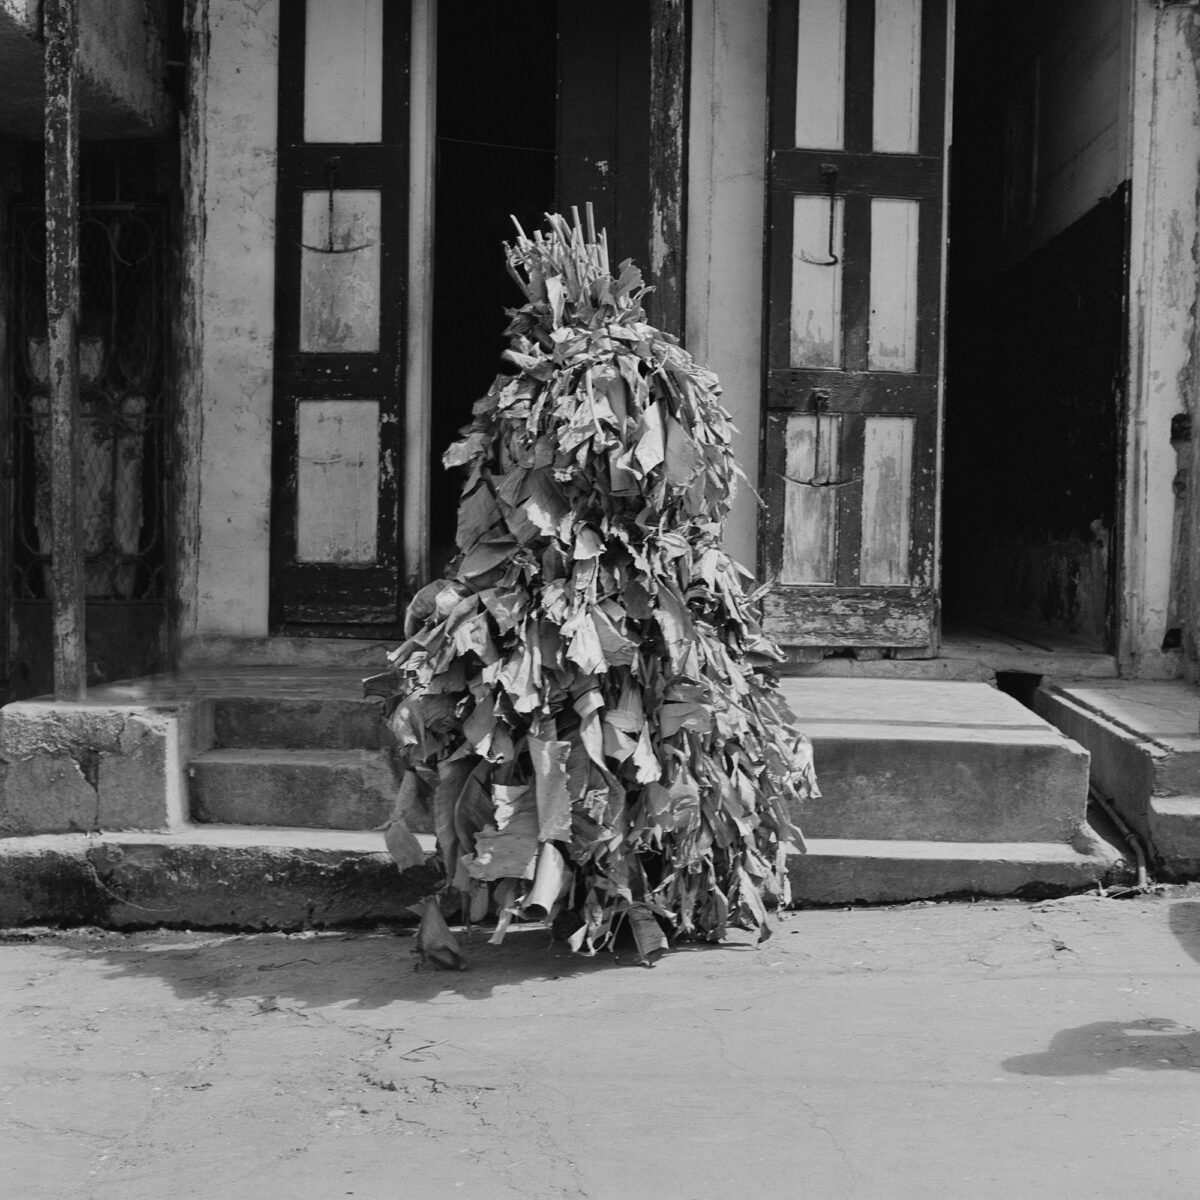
(1036, 326)
(540, 105)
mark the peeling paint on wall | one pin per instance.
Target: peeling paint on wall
(1165, 132)
(726, 180)
(230, 241)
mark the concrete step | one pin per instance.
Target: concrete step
(861, 870)
(1144, 739)
(288, 723)
(930, 788)
(220, 876)
(204, 877)
(937, 761)
(312, 789)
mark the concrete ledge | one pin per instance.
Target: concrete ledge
(999, 788)
(1145, 745)
(222, 877)
(217, 650)
(208, 878)
(947, 761)
(88, 767)
(849, 871)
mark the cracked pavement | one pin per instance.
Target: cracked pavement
(939, 1050)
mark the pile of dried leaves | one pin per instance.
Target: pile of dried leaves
(584, 702)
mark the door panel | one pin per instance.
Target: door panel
(341, 229)
(854, 298)
(604, 119)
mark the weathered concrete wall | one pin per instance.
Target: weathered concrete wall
(230, 256)
(1163, 364)
(726, 177)
(87, 768)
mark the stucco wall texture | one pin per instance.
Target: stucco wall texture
(236, 199)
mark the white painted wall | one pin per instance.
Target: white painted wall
(726, 179)
(231, 266)
(1163, 294)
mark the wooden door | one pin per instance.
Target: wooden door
(337, 558)
(855, 251)
(603, 153)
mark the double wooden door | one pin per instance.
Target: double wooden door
(337, 521)
(855, 256)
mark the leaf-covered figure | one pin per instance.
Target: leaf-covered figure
(584, 702)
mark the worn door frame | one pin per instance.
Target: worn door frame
(664, 225)
(317, 598)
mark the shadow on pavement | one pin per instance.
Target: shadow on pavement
(1184, 920)
(1151, 1044)
(356, 971)
(348, 970)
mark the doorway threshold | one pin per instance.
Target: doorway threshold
(967, 653)
(976, 653)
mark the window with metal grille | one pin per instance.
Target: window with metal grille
(125, 371)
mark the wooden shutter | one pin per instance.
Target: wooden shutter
(855, 254)
(341, 231)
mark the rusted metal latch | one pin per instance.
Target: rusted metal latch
(829, 174)
(332, 167)
(821, 475)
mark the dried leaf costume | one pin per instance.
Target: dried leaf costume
(582, 703)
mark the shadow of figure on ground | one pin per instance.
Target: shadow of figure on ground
(347, 969)
(1184, 921)
(1150, 1044)
(350, 970)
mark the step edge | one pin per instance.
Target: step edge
(1105, 723)
(217, 836)
(264, 755)
(939, 851)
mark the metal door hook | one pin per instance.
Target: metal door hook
(332, 167)
(829, 174)
(821, 475)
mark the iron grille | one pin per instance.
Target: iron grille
(124, 368)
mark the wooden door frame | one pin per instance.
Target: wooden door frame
(670, 24)
(307, 166)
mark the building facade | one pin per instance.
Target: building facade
(944, 263)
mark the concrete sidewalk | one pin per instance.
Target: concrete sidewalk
(941, 1051)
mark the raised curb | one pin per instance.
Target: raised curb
(221, 877)
(1145, 749)
(853, 871)
(209, 878)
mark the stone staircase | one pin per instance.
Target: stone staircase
(933, 788)
(1144, 739)
(256, 794)
(300, 763)
(222, 797)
